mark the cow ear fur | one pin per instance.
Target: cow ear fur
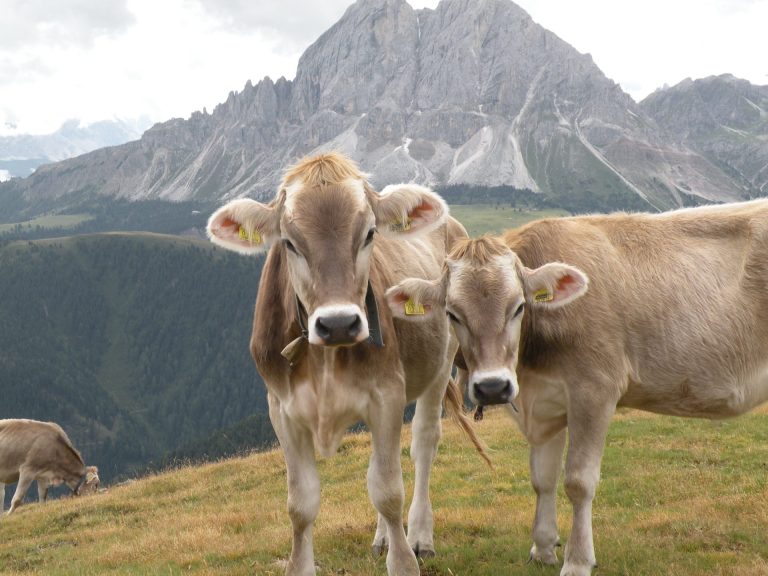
(554, 284)
(408, 209)
(416, 299)
(244, 226)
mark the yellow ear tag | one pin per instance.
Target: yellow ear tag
(543, 295)
(254, 237)
(403, 226)
(411, 309)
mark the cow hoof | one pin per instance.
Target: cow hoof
(577, 569)
(424, 551)
(543, 556)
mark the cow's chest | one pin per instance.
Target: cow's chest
(327, 405)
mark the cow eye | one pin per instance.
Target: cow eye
(519, 310)
(291, 248)
(369, 238)
(452, 317)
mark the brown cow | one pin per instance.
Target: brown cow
(329, 356)
(666, 313)
(32, 450)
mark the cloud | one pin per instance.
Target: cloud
(27, 23)
(297, 21)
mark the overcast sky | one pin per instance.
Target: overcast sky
(97, 59)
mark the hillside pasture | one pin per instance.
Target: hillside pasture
(50, 221)
(481, 219)
(677, 497)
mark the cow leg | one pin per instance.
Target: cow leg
(2, 498)
(303, 488)
(587, 428)
(385, 482)
(546, 461)
(25, 481)
(42, 489)
(380, 542)
(426, 430)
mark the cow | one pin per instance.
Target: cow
(31, 450)
(564, 320)
(329, 355)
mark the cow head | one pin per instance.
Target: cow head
(324, 220)
(88, 483)
(485, 291)
(91, 484)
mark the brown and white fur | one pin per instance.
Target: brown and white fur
(666, 313)
(329, 233)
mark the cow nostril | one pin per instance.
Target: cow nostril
(322, 330)
(356, 327)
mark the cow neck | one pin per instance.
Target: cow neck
(80, 483)
(296, 349)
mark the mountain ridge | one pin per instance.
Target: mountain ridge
(468, 93)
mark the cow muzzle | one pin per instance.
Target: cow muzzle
(497, 387)
(343, 325)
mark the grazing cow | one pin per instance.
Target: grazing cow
(666, 313)
(32, 450)
(329, 355)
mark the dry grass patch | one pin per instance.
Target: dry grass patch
(677, 497)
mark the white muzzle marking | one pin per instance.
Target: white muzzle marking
(338, 324)
(501, 375)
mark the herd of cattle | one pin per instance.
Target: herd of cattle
(371, 300)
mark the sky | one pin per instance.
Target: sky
(102, 59)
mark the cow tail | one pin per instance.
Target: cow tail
(454, 406)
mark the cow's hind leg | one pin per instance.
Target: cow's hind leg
(303, 489)
(42, 489)
(385, 482)
(426, 430)
(25, 481)
(546, 461)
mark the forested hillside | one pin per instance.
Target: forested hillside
(137, 344)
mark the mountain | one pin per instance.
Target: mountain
(137, 344)
(20, 154)
(724, 119)
(473, 92)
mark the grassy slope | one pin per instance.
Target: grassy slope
(62, 221)
(481, 218)
(677, 497)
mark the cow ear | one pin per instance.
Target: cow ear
(416, 299)
(409, 209)
(245, 226)
(554, 284)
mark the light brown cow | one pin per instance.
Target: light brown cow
(666, 313)
(329, 359)
(32, 450)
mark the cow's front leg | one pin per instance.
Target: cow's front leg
(426, 430)
(303, 488)
(385, 481)
(25, 481)
(546, 462)
(588, 424)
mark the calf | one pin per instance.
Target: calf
(32, 450)
(329, 355)
(666, 313)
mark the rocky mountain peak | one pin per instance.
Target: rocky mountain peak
(473, 92)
